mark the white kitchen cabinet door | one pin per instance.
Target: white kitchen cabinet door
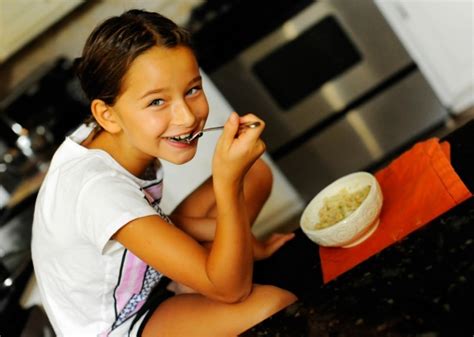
(23, 20)
(439, 35)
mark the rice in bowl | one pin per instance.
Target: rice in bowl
(339, 206)
(347, 211)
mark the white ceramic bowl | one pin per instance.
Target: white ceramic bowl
(357, 226)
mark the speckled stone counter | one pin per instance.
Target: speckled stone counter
(420, 286)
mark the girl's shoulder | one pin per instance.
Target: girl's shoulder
(73, 159)
(74, 167)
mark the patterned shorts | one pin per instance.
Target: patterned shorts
(158, 296)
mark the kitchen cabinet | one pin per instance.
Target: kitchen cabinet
(23, 20)
(439, 37)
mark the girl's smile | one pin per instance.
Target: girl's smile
(183, 143)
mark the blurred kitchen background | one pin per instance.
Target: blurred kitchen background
(343, 86)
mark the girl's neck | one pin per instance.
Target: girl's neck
(106, 142)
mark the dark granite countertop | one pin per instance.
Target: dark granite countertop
(420, 286)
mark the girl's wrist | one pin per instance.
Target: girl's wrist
(227, 183)
(229, 193)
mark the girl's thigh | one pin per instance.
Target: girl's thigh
(195, 315)
(199, 202)
(257, 187)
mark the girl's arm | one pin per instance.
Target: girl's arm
(200, 228)
(203, 229)
(225, 271)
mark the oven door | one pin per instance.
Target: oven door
(361, 139)
(312, 67)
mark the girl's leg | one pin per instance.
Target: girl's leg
(195, 315)
(257, 187)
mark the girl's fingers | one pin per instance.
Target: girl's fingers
(283, 237)
(277, 240)
(233, 129)
(250, 118)
(239, 148)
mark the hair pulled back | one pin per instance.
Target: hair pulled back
(114, 44)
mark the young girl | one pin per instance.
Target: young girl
(103, 251)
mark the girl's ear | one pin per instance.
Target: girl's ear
(105, 116)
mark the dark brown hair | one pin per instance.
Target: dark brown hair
(115, 43)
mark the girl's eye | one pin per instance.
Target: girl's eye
(157, 102)
(194, 90)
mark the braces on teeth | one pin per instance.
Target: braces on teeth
(182, 138)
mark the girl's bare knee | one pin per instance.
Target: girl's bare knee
(272, 299)
(261, 175)
(195, 315)
(263, 172)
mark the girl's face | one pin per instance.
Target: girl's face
(161, 98)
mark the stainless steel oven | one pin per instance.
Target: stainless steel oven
(336, 87)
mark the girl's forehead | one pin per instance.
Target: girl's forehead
(161, 66)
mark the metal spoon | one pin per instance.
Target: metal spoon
(248, 125)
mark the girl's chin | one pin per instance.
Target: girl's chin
(180, 153)
(178, 161)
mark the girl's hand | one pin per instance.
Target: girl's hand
(237, 149)
(264, 249)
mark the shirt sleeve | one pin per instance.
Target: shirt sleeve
(106, 204)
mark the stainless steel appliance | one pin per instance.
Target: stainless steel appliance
(336, 88)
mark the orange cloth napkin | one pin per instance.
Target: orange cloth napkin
(417, 187)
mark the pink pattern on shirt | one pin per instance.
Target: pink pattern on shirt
(137, 279)
(131, 281)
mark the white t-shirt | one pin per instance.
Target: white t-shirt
(90, 284)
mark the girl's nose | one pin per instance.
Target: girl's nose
(183, 115)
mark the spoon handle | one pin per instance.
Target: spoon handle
(250, 125)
